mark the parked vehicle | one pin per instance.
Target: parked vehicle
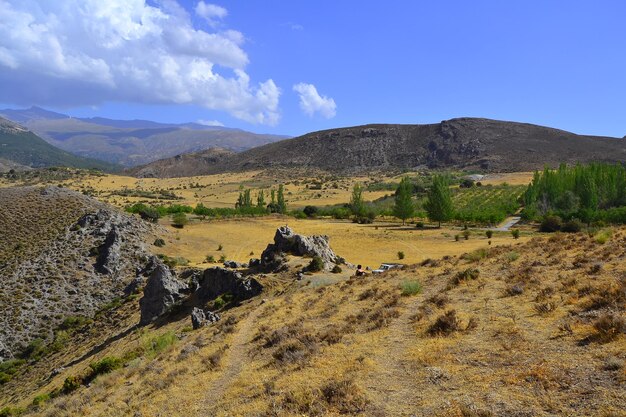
(386, 267)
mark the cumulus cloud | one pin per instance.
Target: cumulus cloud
(210, 12)
(311, 102)
(85, 52)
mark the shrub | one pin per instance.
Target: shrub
(336, 269)
(317, 264)
(457, 237)
(572, 226)
(154, 345)
(466, 234)
(345, 396)
(11, 411)
(105, 365)
(159, 243)
(8, 369)
(310, 211)
(410, 288)
(514, 290)
(210, 259)
(468, 274)
(489, 234)
(445, 324)
(220, 247)
(476, 255)
(550, 224)
(41, 399)
(71, 383)
(603, 236)
(222, 259)
(515, 233)
(512, 256)
(179, 220)
(400, 255)
(609, 326)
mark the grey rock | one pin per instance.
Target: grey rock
(233, 264)
(254, 262)
(5, 352)
(109, 253)
(216, 281)
(201, 317)
(162, 291)
(286, 241)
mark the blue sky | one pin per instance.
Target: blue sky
(555, 63)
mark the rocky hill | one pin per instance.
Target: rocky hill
(62, 255)
(465, 143)
(21, 147)
(533, 329)
(185, 165)
(132, 142)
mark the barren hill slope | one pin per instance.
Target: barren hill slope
(490, 145)
(535, 329)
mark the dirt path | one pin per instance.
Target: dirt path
(393, 387)
(232, 363)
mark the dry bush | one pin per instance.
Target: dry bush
(466, 275)
(513, 290)
(368, 293)
(445, 324)
(440, 300)
(382, 316)
(609, 326)
(344, 396)
(546, 307)
(213, 360)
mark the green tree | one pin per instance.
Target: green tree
(280, 200)
(404, 207)
(357, 205)
(260, 199)
(439, 203)
(179, 220)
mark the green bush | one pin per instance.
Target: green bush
(466, 234)
(159, 243)
(400, 255)
(210, 259)
(515, 233)
(550, 224)
(8, 369)
(336, 269)
(316, 264)
(41, 399)
(105, 365)
(310, 211)
(179, 220)
(489, 234)
(152, 346)
(11, 411)
(411, 288)
(71, 383)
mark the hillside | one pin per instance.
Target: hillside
(534, 329)
(23, 147)
(132, 142)
(62, 254)
(466, 143)
(185, 165)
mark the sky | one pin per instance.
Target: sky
(291, 67)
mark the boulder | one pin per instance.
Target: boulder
(233, 264)
(161, 292)
(5, 353)
(201, 317)
(286, 241)
(216, 281)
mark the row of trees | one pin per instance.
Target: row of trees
(277, 200)
(438, 206)
(586, 192)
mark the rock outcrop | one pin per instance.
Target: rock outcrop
(200, 317)
(288, 242)
(216, 281)
(162, 291)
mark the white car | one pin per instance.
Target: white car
(386, 267)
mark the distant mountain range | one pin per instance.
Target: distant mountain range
(464, 143)
(131, 142)
(22, 149)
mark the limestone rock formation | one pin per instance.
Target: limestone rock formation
(162, 291)
(216, 281)
(286, 241)
(200, 317)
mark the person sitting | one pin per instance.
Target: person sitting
(359, 271)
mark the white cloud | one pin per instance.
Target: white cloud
(311, 102)
(210, 122)
(211, 12)
(85, 52)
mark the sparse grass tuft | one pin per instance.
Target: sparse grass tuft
(410, 287)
